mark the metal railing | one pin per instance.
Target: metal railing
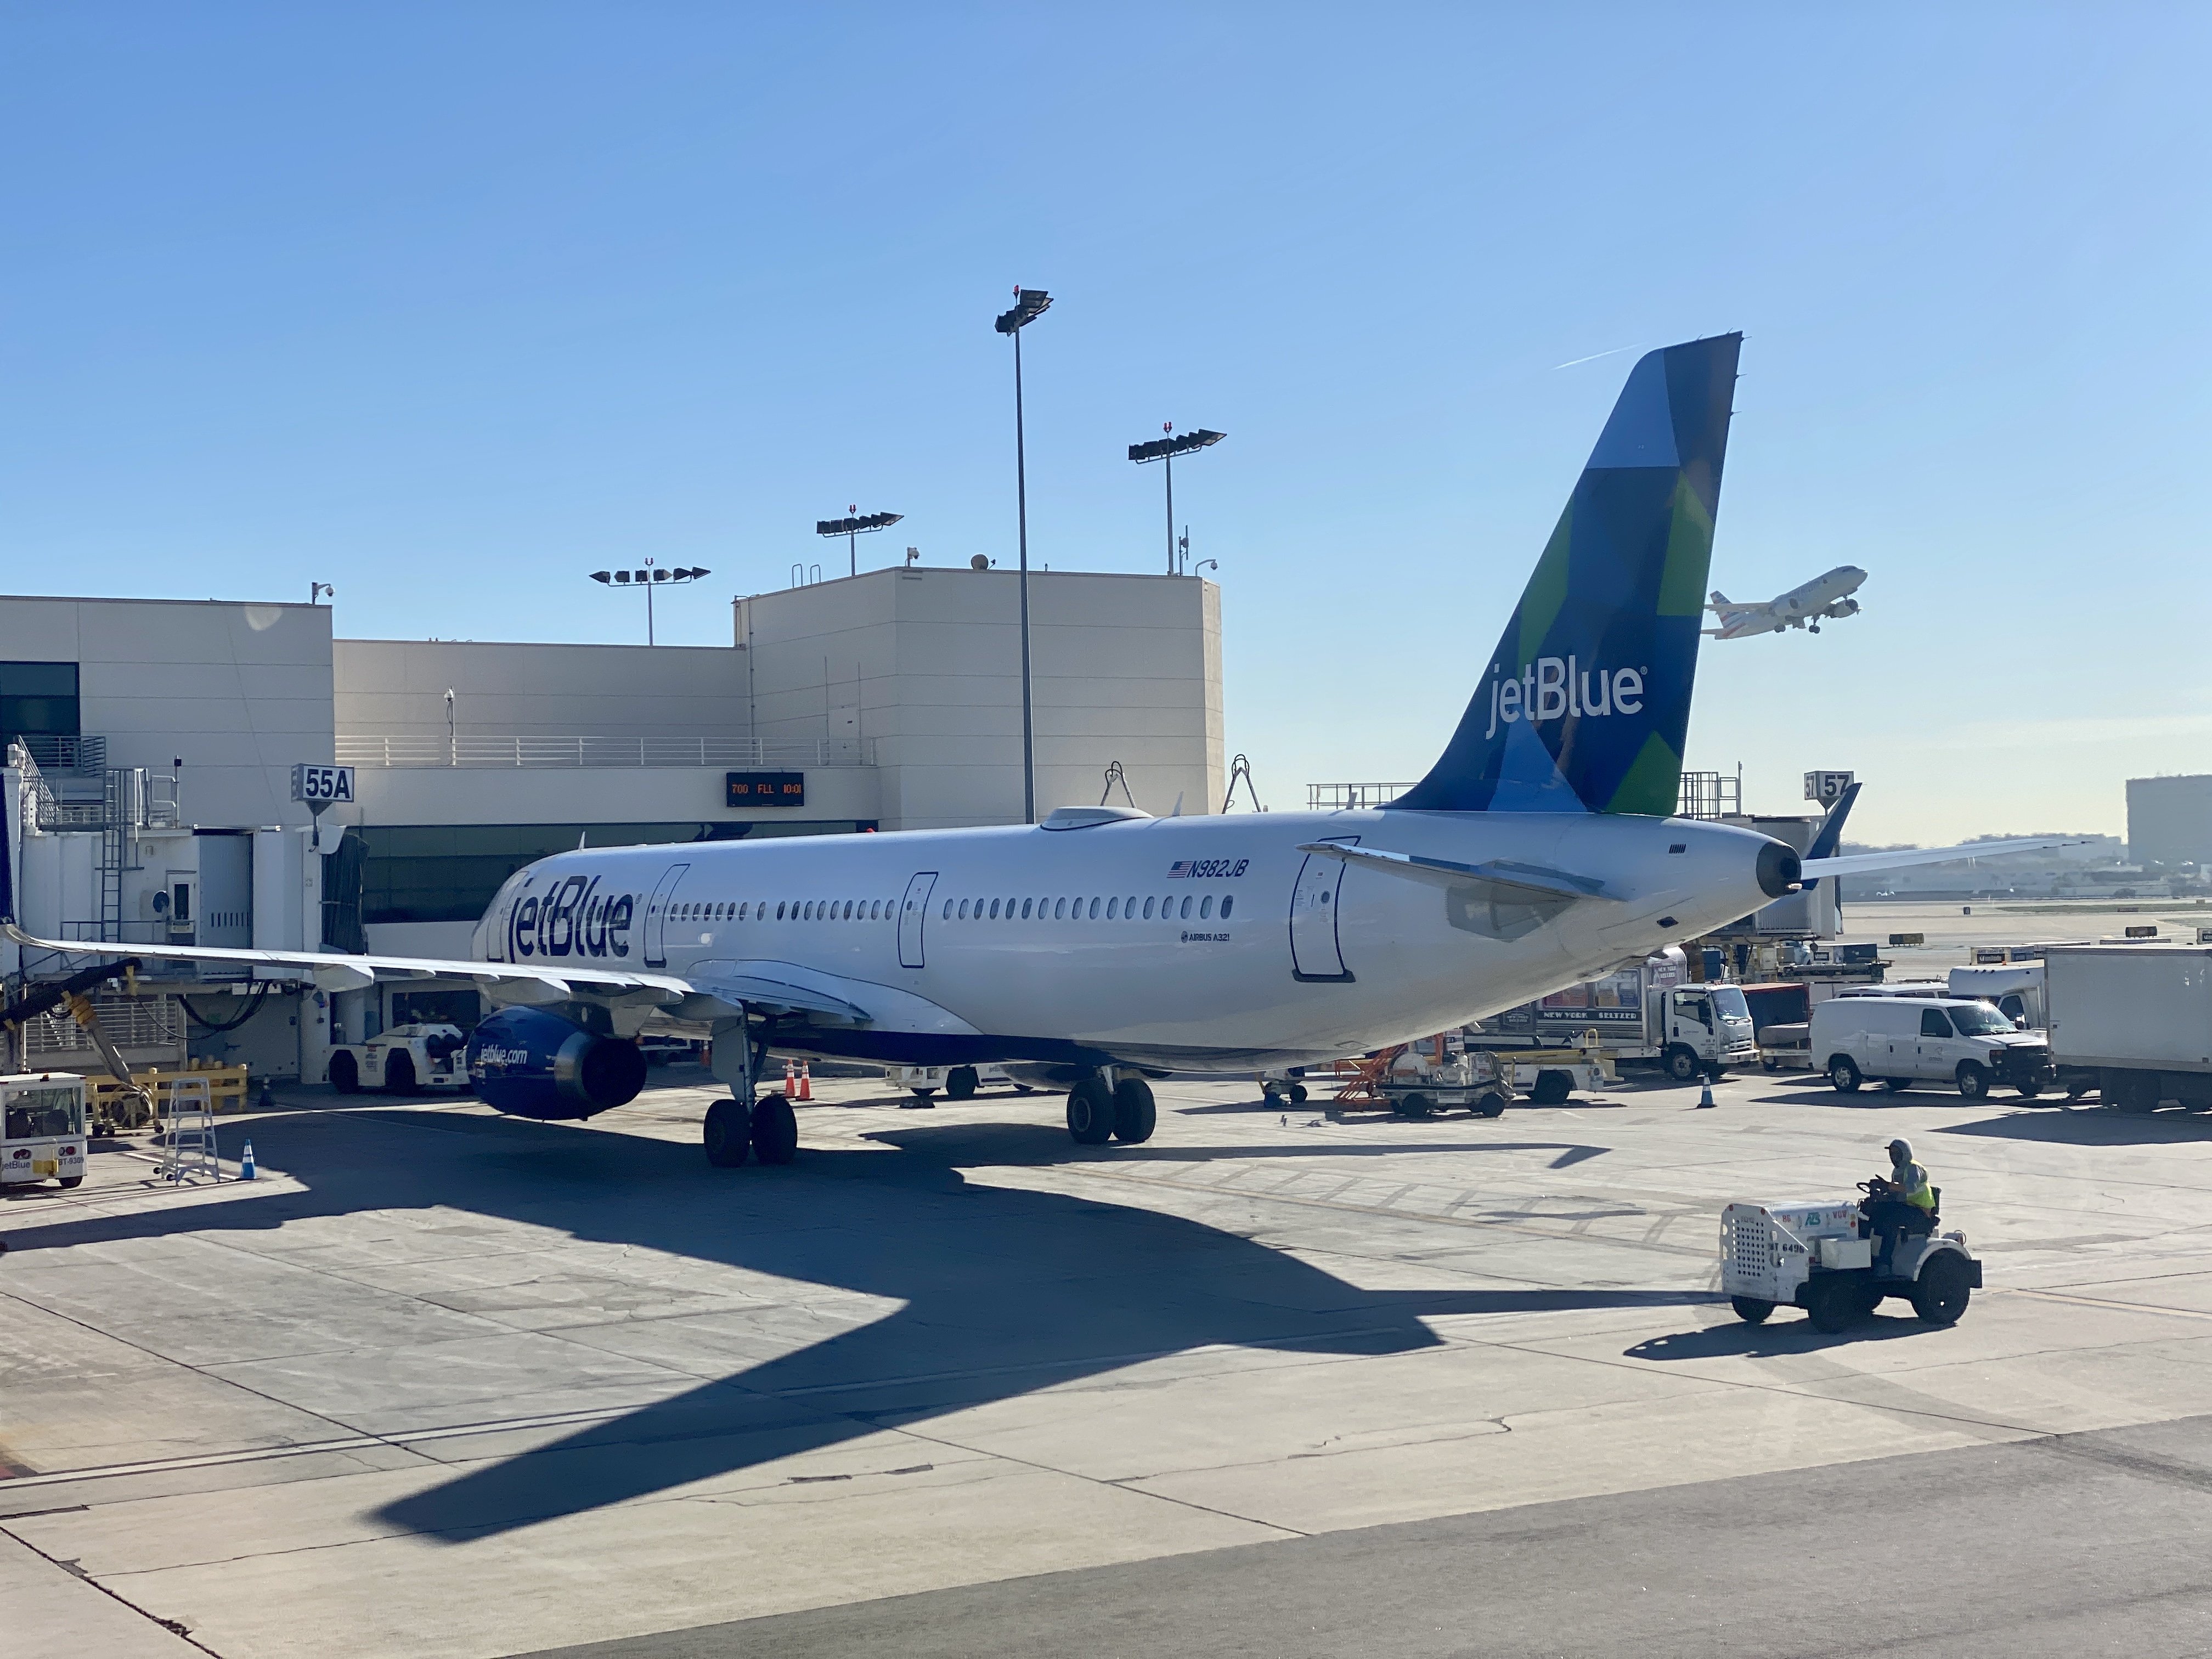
(1352, 796)
(356, 749)
(71, 753)
(1709, 795)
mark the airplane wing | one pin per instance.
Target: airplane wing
(1853, 864)
(334, 970)
(1534, 880)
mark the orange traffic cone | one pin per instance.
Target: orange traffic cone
(790, 1081)
(805, 1080)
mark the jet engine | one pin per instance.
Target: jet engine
(1843, 608)
(531, 1062)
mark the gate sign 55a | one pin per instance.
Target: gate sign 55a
(323, 783)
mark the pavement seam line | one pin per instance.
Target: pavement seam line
(175, 1627)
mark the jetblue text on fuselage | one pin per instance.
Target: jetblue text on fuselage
(1552, 686)
(572, 919)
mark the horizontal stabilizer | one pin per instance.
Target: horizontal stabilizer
(1534, 880)
(1858, 864)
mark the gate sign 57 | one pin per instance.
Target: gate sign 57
(322, 783)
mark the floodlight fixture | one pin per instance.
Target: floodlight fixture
(648, 578)
(852, 527)
(1030, 304)
(1164, 450)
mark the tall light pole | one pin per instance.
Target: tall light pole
(649, 578)
(851, 529)
(1166, 449)
(1030, 304)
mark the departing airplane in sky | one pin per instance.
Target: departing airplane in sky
(1803, 606)
(1105, 944)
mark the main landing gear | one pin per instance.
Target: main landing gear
(768, 1130)
(1102, 1108)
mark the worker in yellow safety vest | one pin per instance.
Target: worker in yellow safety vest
(1901, 1203)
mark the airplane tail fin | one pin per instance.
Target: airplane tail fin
(1585, 702)
(1716, 600)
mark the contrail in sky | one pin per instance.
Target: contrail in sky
(1593, 356)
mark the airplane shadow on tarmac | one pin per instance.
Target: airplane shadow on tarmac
(1001, 1291)
(2092, 1126)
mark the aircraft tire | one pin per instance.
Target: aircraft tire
(1090, 1112)
(727, 1133)
(1297, 1094)
(775, 1130)
(1135, 1113)
(961, 1083)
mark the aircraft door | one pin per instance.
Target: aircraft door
(913, 911)
(656, 915)
(1316, 953)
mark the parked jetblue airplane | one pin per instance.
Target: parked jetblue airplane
(1105, 944)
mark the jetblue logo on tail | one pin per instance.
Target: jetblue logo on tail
(1551, 688)
(1587, 701)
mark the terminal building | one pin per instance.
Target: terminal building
(148, 797)
(2170, 820)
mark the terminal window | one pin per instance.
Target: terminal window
(450, 872)
(38, 700)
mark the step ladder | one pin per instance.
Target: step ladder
(188, 1133)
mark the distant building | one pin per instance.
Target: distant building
(2170, 820)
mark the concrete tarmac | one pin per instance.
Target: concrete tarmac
(2057, 1547)
(444, 1384)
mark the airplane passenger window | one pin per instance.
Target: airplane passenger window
(1206, 907)
(1148, 910)
(1112, 908)
(779, 911)
(1060, 909)
(1026, 909)
(963, 909)
(1227, 901)
(1094, 909)
(994, 910)
(1129, 908)
(1186, 907)
(948, 911)
(848, 915)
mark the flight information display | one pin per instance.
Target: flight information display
(767, 788)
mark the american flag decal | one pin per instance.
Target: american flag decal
(1180, 869)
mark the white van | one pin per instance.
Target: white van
(1901, 1041)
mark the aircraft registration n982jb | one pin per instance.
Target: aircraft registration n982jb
(1105, 944)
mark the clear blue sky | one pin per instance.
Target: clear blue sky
(450, 304)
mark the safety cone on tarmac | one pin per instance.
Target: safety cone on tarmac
(790, 1080)
(246, 1162)
(1705, 1095)
(806, 1080)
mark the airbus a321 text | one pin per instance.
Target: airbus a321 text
(1803, 606)
(1104, 946)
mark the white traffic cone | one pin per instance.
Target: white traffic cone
(246, 1162)
(1705, 1095)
